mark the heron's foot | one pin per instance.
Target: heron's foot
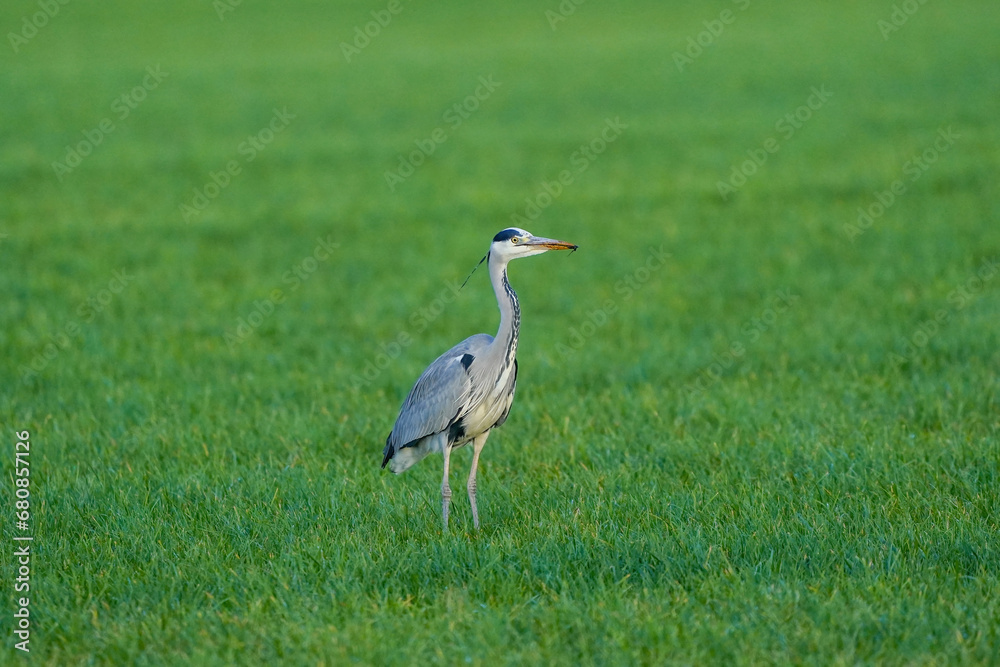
(445, 501)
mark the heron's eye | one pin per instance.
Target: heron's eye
(515, 240)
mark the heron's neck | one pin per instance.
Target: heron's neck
(510, 312)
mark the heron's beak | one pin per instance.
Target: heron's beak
(549, 244)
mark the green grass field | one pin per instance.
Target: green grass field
(752, 425)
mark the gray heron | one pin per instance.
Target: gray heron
(468, 390)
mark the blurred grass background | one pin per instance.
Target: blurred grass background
(829, 496)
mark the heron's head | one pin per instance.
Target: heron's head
(514, 242)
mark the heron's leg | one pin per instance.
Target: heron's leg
(445, 489)
(477, 447)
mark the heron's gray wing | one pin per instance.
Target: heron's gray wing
(439, 395)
